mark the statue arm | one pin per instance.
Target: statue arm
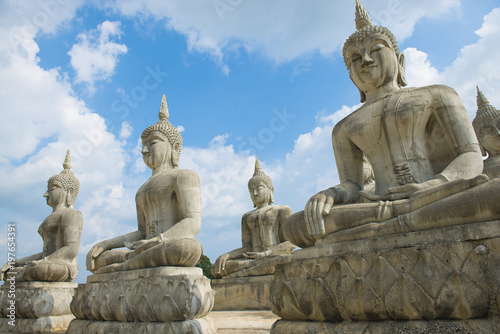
(246, 239)
(188, 192)
(349, 160)
(456, 124)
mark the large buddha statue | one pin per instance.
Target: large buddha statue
(422, 147)
(487, 126)
(168, 210)
(61, 232)
(261, 234)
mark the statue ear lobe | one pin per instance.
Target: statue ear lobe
(70, 200)
(176, 154)
(401, 70)
(362, 95)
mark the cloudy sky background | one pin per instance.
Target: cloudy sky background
(242, 78)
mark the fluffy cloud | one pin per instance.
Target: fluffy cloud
(95, 56)
(42, 118)
(474, 66)
(281, 30)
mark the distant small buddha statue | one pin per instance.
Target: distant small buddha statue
(422, 147)
(61, 232)
(261, 234)
(168, 210)
(487, 126)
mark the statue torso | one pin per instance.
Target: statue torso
(264, 227)
(158, 202)
(52, 232)
(401, 136)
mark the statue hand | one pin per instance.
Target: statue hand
(94, 252)
(220, 263)
(395, 193)
(255, 255)
(318, 206)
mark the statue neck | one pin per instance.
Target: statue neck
(382, 91)
(161, 168)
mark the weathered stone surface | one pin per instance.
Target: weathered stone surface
(61, 232)
(205, 325)
(168, 210)
(474, 326)
(263, 243)
(443, 280)
(487, 127)
(244, 322)
(55, 324)
(146, 296)
(39, 299)
(245, 293)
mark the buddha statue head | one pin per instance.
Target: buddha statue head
(260, 187)
(162, 142)
(487, 126)
(68, 184)
(378, 45)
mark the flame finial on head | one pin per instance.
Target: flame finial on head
(67, 160)
(362, 17)
(163, 114)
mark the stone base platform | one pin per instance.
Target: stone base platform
(153, 300)
(445, 277)
(479, 326)
(40, 307)
(205, 325)
(55, 324)
(244, 293)
(244, 322)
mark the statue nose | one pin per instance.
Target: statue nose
(366, 58)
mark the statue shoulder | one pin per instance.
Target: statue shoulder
(71, 216)
(187, 177)
(436, 93)
(284, 209)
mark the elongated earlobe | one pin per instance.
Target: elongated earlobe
(401, 70)
(176, 154)
(70, 198)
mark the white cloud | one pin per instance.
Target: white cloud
(96, 54)
(281, 30)
(42, 118)
(476, 64)
(419, 71)
(125, 130)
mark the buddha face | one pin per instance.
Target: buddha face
(372, 62)
(156, 150)
(259, 193)
(56, 195)
(489, 136)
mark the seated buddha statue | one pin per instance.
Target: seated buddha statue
(261, 234)
(487, 126)
(422, 147)
(168, 210)
(61, 232)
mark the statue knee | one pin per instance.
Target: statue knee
(295, 230)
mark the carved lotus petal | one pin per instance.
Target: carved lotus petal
(406, 300)
(461, 299)
(104, 310)
(145, 309)
(169, 311)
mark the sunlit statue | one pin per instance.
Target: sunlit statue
(420, 142)
(168, 210)
(261, 234)
(61, 232)
(487, 126)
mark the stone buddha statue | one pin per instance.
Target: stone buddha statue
(487, 126)
(422, 147)
(168, 210)
(61, 232)
(261, 234)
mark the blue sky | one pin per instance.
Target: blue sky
(241, 77)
